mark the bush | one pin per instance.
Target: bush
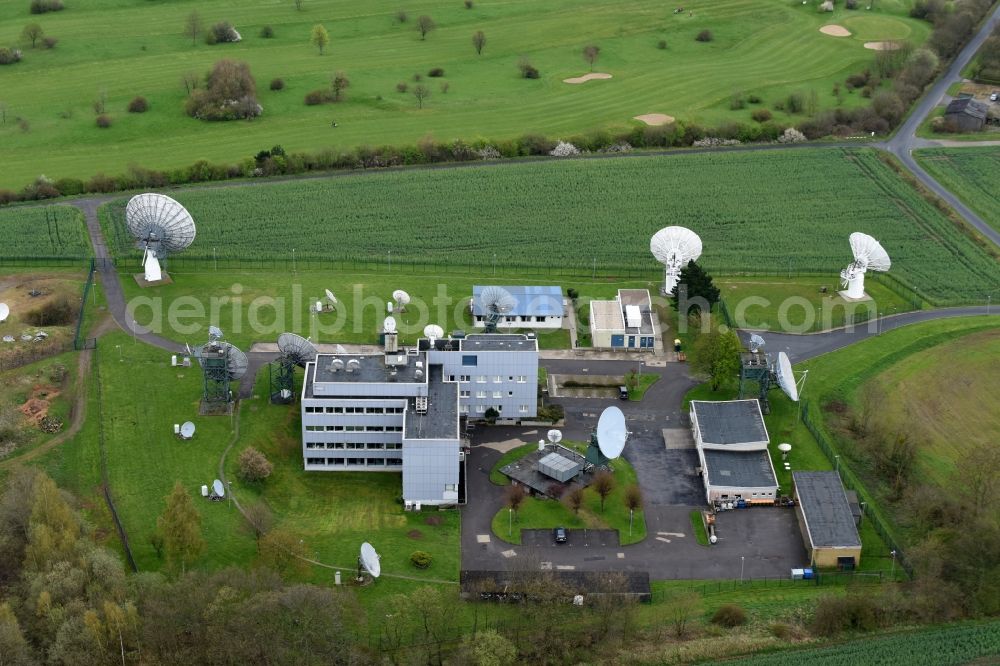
(730, 616)
(253, 465)
(536, 144)
(662, 44)
(837, 614)
(222, 32)
(420, 559)
(69, 186)
(704, 36)
(316, 97)
(418, 77)
(851, 4)
(402, 87)
(230, 94)
(528, 71)
(795, 103)
(104, 121)
(49, 42)
(468, 4)
(267, 32)
(277, 84)
(737, 101)
(9, 56)
(43, 6)
(138, 105)
(761, 115)
(435, 72)
(564, 149)
(754, 99)
(57, 312)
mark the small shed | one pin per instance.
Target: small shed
(560, 468)
(826, 521)
(966, 114)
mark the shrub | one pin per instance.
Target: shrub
(792, 135)
(729, 615)
(277, 84)
(420, 559)
(704, 36)
(49, 42)
(267, 32)
(564, 149)
(754, 99)
(104, 121)
(795, 103)
(468, 4)
(536, 144)
(445, 87)
(69, 186)
(9, 56)
(138, 105)
(315, 97)
(826, 6)
(57, 312)
(851, 4)
(221, 33)
(528, 71)
(43, 6)
(737, 101)
(230, 93)
(435, 72)
(402, 87)
(253, 465)
(662, 44)
(401, 16)
(761, 115)
(836, 614)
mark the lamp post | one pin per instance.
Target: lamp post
(293, 259)
(836, 459)
(742, 559)
(510, 521)
(119, 348)
(892, 572)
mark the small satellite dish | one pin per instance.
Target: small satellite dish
(784, 447)
(369, 560)
(215, 333)
(756, 342)
(786, 378)
(341, 349)
(218, 488)
(611, 433)
(674, 247)
(401, 297)
(4, 312)
(554, 436)
(433, 331)
(8, 338)
(295, 349)
(389, 325)
(869, 255)
(187, 430)
(330, 297)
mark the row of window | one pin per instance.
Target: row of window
(354, 410)
(355, 446)
(356, 462)
(481, 409)
(511, 318)
(353, 428)
(484, 394)
(481, 379)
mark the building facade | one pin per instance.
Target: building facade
(626, 323)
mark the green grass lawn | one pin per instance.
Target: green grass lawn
(645, 381)
(548, 513)
(698, 527)
(131, 47)
(970, 173)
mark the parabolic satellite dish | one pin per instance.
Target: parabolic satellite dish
(330, 297)
(401, 297)
(215, 333)
(756, 342)
(161, 226)
(295, 349)
(187, 430)
(218, 488)
(674, 247)
(784, 447)
(389, 325)
(433, 331)
(611, 433)
(4, 312)
(869, 255)
(370, 560)
(554, 436)
(786, 378)
(236, 361)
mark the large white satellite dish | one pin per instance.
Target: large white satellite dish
(295, 349)
(401, 297)
(236, 361)
(869, 255)
(370, 560)
(554, 436)
(433, 332)
(187, 430)
(786, 378)
(4, 312)
(161, 226)
(330, 297)
(611, 432)
(218, 488)
(756, 342)
(389, 325)
(674, 247)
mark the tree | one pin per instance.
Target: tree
(603, 484)
(489, 648)
(32, 32)
(283, 551)
(631, 379)
(424, 25)
(254, 466)
(633, 501)
(190, 81)
(716, 355)
(193, 26)
(298, 5)
(574, 499)
(479, 41)
(180, 524)
(694, 289)
(14, 649)
(682, 607)
(320, 37)
(260, 520)
(53, 528)
(590, 54)
(229, 80)
(338, 84)
(514, 497)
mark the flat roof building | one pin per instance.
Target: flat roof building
(826, 520)
(626, 323)
(534, 307)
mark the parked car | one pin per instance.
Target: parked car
(623, 392)
(560, 534)
(995, 96)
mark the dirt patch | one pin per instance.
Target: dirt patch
(835, 407)
(433, 520)
(655, 118)
(587, 77)
(36, 407)
(415, 534)
(882, 46)
(835, 31)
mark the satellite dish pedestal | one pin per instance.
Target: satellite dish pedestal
(594, 455)
(295, 351)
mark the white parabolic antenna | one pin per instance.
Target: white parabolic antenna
(215, 333)
(611, 433)
(433, 331)
(161, 226)
(784, 447)
(187, 430)
(674, 247)
(236, 361)
(401, 297)
(554, 436)
(786, 378)
(389, 325)
(370, 560)
(330, 297)
(4, 312)
(296, 349)
(218, 488)
(869, 255)
(756, 342)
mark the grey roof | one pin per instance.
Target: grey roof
(825, 509)
(730, 422)
(739, 469)
(483, 342)
(967, 106)
(441, 419)
(529, 301)
(374, 368)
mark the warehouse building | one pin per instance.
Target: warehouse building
(825, 517)
(732, 440)
(535, 307)
(400, 410)
(625, 323)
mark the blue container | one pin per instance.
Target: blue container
(741, 504)
(807, 574)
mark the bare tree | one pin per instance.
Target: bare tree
(979, 477)
(192, 26)
(514, 497)
(574, 499)
(190, 81)
(298, 5)
(338, 84)
(260, 520)
(590, 54)
(683, 606)
(401, 16)
(479, 41)
(633, 501)
(421, 92)
(424, 25)
(101, 103)
(32, 32)
(603, 485)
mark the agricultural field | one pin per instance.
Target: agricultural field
(110, 51)
(43, 232)
(805, 204)
(971, 174)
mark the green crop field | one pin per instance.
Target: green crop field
(971, 174)
(776, 212)
(43, 231)
(768, 48)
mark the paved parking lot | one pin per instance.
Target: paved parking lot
(578, 538)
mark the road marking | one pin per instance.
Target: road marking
(621, 556)
(509, 553)
(663, 540)
(546, 566)
(482, 538)
(679, 535)
(565, 567)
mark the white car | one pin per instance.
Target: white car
(995, 96)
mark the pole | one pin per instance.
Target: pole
(837, 459)
(390, 261)
(510, 521)
(594, 274)
(892, 574)
(741, 568)
(631, 512)
(293, 259)
(230, 493)
(494, 264)
(215, 258)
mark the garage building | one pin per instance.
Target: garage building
(826, 520)
(627, 323)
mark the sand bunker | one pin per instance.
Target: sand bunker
(882, 46)
(835, 31)
(587, 77)
(655, 118)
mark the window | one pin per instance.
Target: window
(314, 445)
(315, 461)
(394, 445)
(470, 360)
(463, 394)
(451, 378)
(393, 461)
(510, 393)
(451, 487)
(373, 410)
(523, 409)
(378, 462)
(463, 378)
(497, 395)
(463, 409)
(480, 379)
(355, 461)
(314, 428)
(480, 409)
(497, 379)
(521, 379)
(338, 410)
(336, 461)
(480, 394)
(336, 445)
(311, 410)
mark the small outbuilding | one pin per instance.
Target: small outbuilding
(825, 518)
(534, 307)
(627, 323)
(966, 114)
